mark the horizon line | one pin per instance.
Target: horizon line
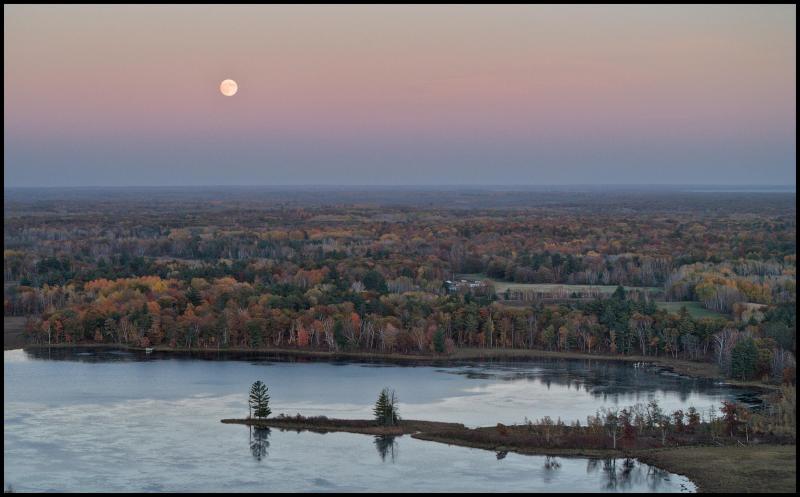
(418, 185)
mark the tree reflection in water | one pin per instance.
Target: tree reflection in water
(551, 466)
(622, 474)
(551, 463)
(386, 446)
(259, 442)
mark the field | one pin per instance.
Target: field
(502, 286)
(759, 468)
(696, 309)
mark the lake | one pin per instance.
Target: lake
(108, 420)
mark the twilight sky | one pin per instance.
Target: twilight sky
(414, 94)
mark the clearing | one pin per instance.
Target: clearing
(696, 309)
(502, 286)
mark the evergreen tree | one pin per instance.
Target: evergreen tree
(381, 406)
(686, 323)
(744, 359)
(193, 296)
(374, 281)
(781, 333)
(256, 333)
(693, 419)
(145, 320)
(385, 408)
(338, 334)
(470, 318)
(259, 400)
(438, 341)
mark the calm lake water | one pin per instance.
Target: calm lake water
(119, 421)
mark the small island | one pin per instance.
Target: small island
(322, 424)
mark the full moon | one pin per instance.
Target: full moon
(228, 87)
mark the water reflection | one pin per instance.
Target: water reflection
(550, 475)
(85, 354)
(609, 381)
(551, 463)
(601, 379)
(387, 446)
(628, 474)
(617, 475)
(508, 391)
(259, 442)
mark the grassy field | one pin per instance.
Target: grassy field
(502, 286)
(759, 468)
(696, 309)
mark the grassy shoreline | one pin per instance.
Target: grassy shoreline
(728, 468)
(759, 468)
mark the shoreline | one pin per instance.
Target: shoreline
(682, 367)
(433, 431)
(710, 468)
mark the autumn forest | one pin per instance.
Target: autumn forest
(664, 273)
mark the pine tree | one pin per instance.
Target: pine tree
(259, 400)
(338, 334)
(744, 359)
(438, 341)
(385, 409)
(380, 407)
(685, 324)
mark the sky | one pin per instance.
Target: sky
(129, 95)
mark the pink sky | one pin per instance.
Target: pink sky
(571, 82)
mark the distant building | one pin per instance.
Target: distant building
(455, 286)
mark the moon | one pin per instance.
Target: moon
(228, 87)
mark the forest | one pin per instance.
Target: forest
(374, 270)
